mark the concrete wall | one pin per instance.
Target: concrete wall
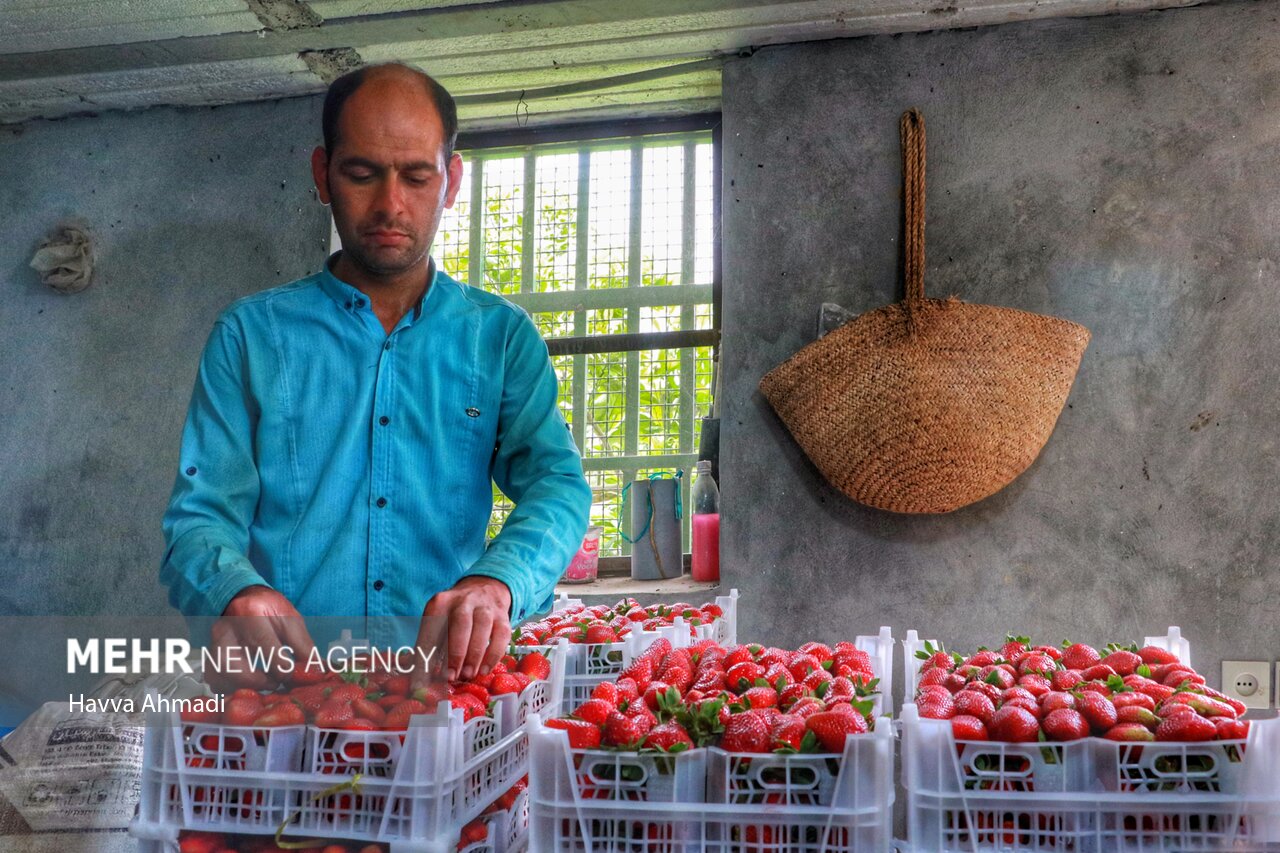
(1121, 172)
(191, 209)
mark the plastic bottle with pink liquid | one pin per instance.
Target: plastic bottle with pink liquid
(706, 526)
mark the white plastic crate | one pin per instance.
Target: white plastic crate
(1089, 795)
(415, 788)
(587, 664)
(1172, 641)
(507, 831)
(709, 800)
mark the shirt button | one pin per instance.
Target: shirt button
(384, 420)
(378, 585)
(348, 306)
(381, 502)
(359, 303)
(191, 472)
(387, 345)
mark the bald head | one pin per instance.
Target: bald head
(389, 79)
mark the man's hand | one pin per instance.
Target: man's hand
(258, 618)
(476, 615)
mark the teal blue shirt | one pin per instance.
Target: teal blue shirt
(352, 470)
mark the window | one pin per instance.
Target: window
(610, 244)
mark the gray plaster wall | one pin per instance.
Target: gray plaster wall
(1121, 172)
(191, 209)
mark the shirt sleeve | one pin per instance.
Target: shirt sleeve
(206, 527)
(538, 467)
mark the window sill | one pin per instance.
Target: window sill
(619, 586)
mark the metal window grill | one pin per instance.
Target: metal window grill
(609, 245)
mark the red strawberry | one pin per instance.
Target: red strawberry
(801, 665)
(805, 706)
(505, 683)
(470, 705)
(743, 675)
(582, 735)
(1129, 732)
(1123, 661)
(201, 842)
(600, 633)
(1065, 724)
(1097, 710)
(1152, 655)
(973, 703)
(832, 727)
(761, 697)
(746, 732)
(788, 732)
(1186, 727)
(668, 737)
(937, 708)
(628, 691)
(1229, 729)
(1037, 663)
(283, 714)
(1080, 656)
(241, 710)
(346, 693)
(398, 717)
(1014, 725)
(1141, 700)
(476, 690)
(1027, 703)
(535, 665)
(473, 833)
(334, 714)
(1137, 714)
(1054, 700)
(607, 691)
(594, 711)
(966, 727)
(819, 651)
(1066, 679)
(1097, 672)
(622, 730)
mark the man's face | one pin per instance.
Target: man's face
(387, 179)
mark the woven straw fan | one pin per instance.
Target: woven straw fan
(927, 405)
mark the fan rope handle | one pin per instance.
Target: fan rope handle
(913, 148)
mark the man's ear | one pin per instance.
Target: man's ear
(320, 172)
(454, 171)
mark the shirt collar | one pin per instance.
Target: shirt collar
(352, 298)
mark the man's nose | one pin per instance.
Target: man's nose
(390, 198)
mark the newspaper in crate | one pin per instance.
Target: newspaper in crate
(73, 771)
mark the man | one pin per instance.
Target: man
(344, 429)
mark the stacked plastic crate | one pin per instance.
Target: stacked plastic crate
(715, 801)
(588, 664)
(1087, 795)
(412, 791)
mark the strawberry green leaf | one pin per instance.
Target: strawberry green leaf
(1143, 670)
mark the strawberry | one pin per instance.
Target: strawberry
(398, 717)
(242, 711)
(1133, 698)
(741, 654)
(967, 727)
(937, 709)
(1097, 710)
(1123, 661)
(1054, 700)
(334, 714)
(787, 732)
(201, 842)
(622, 730)
(1152, 655)
(668, 737)
(1137, 714)
(973, 703)
(1097, 672)
(470, 705)
(346, 693)
(801, 665)
(582, 735)
(594, 711)
(607, 691)
(628, 691)
(473, 833)
(1065, 724)
(746, 732)
(832, 727)
(1035, 684)
(805, 706)
(1066, 679)
(600, 633)
(760, 697)
(1037, 664)
(1229, 729)
(1014, 725)
(535, 665)
(476, 690)
(505, 683)
(360, 724)
(1186, 728)
(284, 714)
(743, 675)
(1027, 703)
(1129, 732)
